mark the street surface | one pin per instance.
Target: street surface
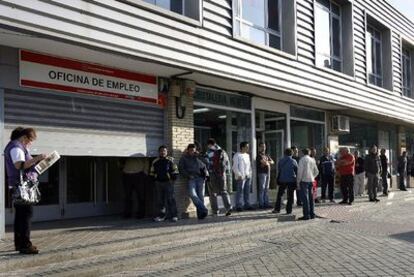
(365, 239)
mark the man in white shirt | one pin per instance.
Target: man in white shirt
(242, 170)
(307, 172)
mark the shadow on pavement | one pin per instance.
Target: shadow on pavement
(408, 236)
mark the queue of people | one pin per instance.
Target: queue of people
(213, 169)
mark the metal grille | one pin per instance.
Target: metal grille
(72, 111)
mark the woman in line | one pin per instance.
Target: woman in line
(17, 157)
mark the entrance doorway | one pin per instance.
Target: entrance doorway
(270, 129)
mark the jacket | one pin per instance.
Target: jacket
(164, 169)
(217, 161)
(192, 167)
(260, 167)
(327, 166)
(287, 170)
(307, 170)
(242, 166)
(372, 164)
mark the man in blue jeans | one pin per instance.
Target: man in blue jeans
(307, 172)
(242, 170)
(195, 171)
(264, 163)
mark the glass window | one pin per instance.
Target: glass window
(306, 113)
(307, 134)
(328, 35)
(228, 128)
(258, 21)
(80, 179)
(374, 56)
(188, 8)
(406, 72)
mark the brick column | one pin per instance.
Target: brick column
(180, 134)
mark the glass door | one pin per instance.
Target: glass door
(274, 143)
(92, 186)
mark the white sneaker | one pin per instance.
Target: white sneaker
(174, 219)
(159, 219)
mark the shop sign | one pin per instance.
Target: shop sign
(222, 99)
(61, 74)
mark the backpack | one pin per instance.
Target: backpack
(219, 162)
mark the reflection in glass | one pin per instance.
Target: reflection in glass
(328, 35)
(307, 134)
(254, 12)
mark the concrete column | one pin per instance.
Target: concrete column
(181, 133)
(2, 177)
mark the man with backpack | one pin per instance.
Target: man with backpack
(218, 167)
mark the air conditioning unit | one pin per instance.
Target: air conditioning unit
(340, 124)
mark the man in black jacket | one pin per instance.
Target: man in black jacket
(165, 172)
(373, 169)
(384, 172)
(327, 174)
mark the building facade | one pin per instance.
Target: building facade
(310, 73)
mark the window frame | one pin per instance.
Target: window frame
(168, 13)
(407, 89)
(332, 57)
(373, 53)
(238, 22)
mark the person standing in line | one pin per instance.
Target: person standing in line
(296, 157)
(402, 170)
(359, 178)
(218, 165)
(165, 172)
(17, 157)
(312, 154)
(242, 170)
(384, 172)
(372, 167)
(287, 169)
(307, 172)
(346, 167)
(195, 171)
(264, 163)
(135, 178)
(327, 174)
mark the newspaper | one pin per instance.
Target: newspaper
(47, 162)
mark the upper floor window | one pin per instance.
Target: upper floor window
(259, 21)
(189, 8)
(328, 35)
(378, 54)
(374, 56)
(406, 72)
(270, 23)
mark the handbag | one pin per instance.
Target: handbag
(26, 191)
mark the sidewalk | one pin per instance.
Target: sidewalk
(109, 245)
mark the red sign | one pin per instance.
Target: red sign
(48, 72)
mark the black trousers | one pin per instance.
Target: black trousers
(347, 188)
(290, 192)
(167, 206)
(327, 182)
(135, 182)
(22, 226)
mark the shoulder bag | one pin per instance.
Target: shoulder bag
(26, 191)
